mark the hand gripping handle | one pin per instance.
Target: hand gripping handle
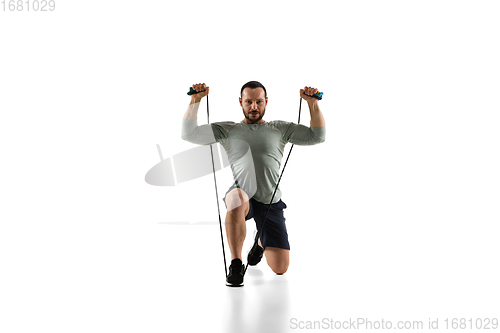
(193, 92)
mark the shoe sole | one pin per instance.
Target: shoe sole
(252, 264)
(234, 285)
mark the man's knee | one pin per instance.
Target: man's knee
(277, 259)
(237, 202)
(280, 269)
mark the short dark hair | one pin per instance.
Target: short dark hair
(253, 85)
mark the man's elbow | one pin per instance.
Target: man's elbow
(188, 136)
(319, 137)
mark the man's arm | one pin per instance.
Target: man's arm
(191, 132)
(192, 111)
(204, 134)
(303, 135)
(317, 119)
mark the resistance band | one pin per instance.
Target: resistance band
(192, 92)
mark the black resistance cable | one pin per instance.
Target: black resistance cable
(217, 197)
(192, 92)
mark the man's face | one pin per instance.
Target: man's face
(253, 102)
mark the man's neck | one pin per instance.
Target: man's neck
(246, 121)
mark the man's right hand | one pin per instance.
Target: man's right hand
(196, 98)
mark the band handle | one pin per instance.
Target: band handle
(193, 92)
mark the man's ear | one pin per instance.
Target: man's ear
(241, 101)
(266, 101)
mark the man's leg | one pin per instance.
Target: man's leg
(236, 229)
(278, 259)
(277, 250)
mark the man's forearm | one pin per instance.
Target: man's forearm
(317, 119)
(193, 133)
(192, 110)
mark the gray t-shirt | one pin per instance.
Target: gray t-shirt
(254, 150)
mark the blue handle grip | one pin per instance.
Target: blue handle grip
(318, 95)
(193, 92)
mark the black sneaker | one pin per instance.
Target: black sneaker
(236, 272)
(255, 254)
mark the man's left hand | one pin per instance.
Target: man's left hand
(307, 93)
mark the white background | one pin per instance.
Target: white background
(395, 216)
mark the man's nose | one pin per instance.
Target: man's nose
(254, 106)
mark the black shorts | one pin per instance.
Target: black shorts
(275, 234)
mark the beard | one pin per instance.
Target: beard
(252, 119)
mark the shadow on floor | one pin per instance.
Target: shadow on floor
(262, 305)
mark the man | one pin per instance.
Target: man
(255, 149)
